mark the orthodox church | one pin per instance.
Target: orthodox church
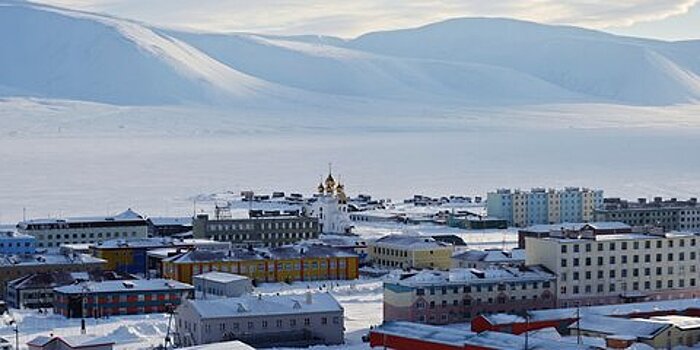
(331, 207)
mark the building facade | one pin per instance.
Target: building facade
(131, 255)
(441, 297)
(168, 226)
(671, 215)
(612, 269)
(263, 321)
(330, 207)
(15, 266)
(580, 229)
(404, 252)
(111, 298)
(52, 233)
(12, 242)
(262, 231)
(540, 206)
(36, 290)
(221, 284)
(282, 264)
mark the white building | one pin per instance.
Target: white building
(221, 284)
(330, 206)
(619, 268)
(262, 321)
(52, 233)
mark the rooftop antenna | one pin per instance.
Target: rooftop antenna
(24, 213)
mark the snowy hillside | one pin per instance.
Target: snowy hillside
(57, 53)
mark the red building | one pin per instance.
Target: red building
(109, 298)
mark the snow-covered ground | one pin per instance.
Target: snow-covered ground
(362, 300)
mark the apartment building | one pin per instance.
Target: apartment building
(541, 206)
(12, 242)
(281, 264)
(671, 214)
(111, 298)
(52, 233)
(258, 231)
(15, 266)
(131, 255)
(458, 295)
(262, 321)
(403, 252)
(619, 268)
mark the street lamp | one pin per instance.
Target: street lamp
(14, 323)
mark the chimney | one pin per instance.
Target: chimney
(309, 298)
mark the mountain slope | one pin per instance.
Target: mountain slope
(323, 67)
(600, 65)
(50, 52)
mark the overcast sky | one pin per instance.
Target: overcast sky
(663, 19)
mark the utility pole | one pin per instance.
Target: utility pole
(578, 323)
(527, 330)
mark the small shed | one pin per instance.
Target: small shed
(221, 284)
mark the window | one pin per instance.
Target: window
(563, 262)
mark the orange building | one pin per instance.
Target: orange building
(282, 264)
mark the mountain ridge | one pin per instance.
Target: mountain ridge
(464, 61)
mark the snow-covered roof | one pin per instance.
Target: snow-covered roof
(461, 338)
(157, 242)
(639, 328)
(229, 345)
(49, 259)
(74, 341)
(682, 322)
(474, 276)
(442, 335)
(250, 305)
(220, 277)
(414, 242)
(127, 215)
(568, 226)
(124, 286)
(494, 256)
(172, 221)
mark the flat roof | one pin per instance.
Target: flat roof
(123, 286)
(267, 305)
(220, 277)
(48, 259)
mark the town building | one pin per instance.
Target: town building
(412, 336)
(221, 284)
(52, 233)
(35, 291)
(588, 229)
(15, 266)
(281, 264)
(470, 221)
(611, 269)
(75, 342)
(330, 207)
(111, 298)
(168, 226)
(540, 206)
(665, 332)
(12, 242)
(263, 231)
(671, 215)
(458, 295)
(262, 321)
(404, 252)
(489, 258)
(131, 255)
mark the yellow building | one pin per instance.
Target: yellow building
(399, 251)
(282, 264)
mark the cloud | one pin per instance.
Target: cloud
(351, 18)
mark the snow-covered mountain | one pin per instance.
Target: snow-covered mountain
(57, 53)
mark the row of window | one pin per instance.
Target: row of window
(262, 324)
(600, 288)
(87, 235)
(467, 302)
(624, 273)
(612, 246)
(264, 225)
(479, 288)
(624, 259)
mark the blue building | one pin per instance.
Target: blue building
(12, 242)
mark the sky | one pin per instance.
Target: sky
(660, 19)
